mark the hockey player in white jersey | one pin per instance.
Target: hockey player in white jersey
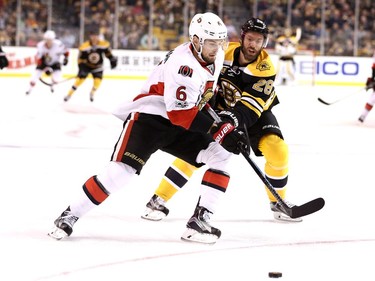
(168, 115)
(51, 52)
(286, 48)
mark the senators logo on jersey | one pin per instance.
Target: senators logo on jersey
(207, 94)
(185, 71)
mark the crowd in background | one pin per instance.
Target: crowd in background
(134, 16)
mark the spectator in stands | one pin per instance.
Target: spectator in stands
(232, 30)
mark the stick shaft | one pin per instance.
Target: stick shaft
(252, 163)
(342, 98)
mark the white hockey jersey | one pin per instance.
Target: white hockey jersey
(179, 82)
(53, 54)
(286, 46)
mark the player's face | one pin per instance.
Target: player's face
(94, 38)
(210, 49)
(48, 43)
(252, 45)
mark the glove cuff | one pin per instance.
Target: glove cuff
(229, 116)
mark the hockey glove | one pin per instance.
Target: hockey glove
(3, 61)
(228, 116)
(370, 83)
(113, 61)
(230, 138)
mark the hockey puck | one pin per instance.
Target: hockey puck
(274, 274)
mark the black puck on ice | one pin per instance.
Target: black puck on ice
(274, 274)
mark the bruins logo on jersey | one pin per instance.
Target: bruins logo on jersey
(94, 58)
(263, 66)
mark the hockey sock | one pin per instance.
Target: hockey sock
(174, 179)
(276, 153)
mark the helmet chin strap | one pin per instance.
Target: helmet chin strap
(199, 53)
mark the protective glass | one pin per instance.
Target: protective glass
(214, 44)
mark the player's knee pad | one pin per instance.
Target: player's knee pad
(116, 175)
(215, 157)
(275, 151)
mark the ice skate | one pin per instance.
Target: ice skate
(155, 209)
(199, 229)
(67, 97)
(63, 225)
(362, 118)
(91, 97)
(280, 214)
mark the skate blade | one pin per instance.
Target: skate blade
(191, 235)
(282, 217)
(153, 215)
(57, 233)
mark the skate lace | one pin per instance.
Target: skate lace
(204, 216)
(68, 219)
(156, 203)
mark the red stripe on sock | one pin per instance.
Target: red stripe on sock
(95, 191)
(217, 179)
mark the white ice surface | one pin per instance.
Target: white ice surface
(48, 148)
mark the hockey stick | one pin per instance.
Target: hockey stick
(342, 98)
(294, 211)
(65, 80)
(57, 82)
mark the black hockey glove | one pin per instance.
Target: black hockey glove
(230, 138)
(228, 116)
(370, 83)
(113, 61)
(3, 59)
(65, 61)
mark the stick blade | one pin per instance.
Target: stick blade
(307, 208)
(324, 102)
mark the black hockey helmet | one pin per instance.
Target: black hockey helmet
(92, 30)
(255, 25)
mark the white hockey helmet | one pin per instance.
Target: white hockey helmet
(49, 35)
(207, 26)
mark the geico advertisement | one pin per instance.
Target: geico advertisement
(321, 69)
(138, 64)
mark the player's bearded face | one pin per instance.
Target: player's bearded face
(252, 44)
(210, 49)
